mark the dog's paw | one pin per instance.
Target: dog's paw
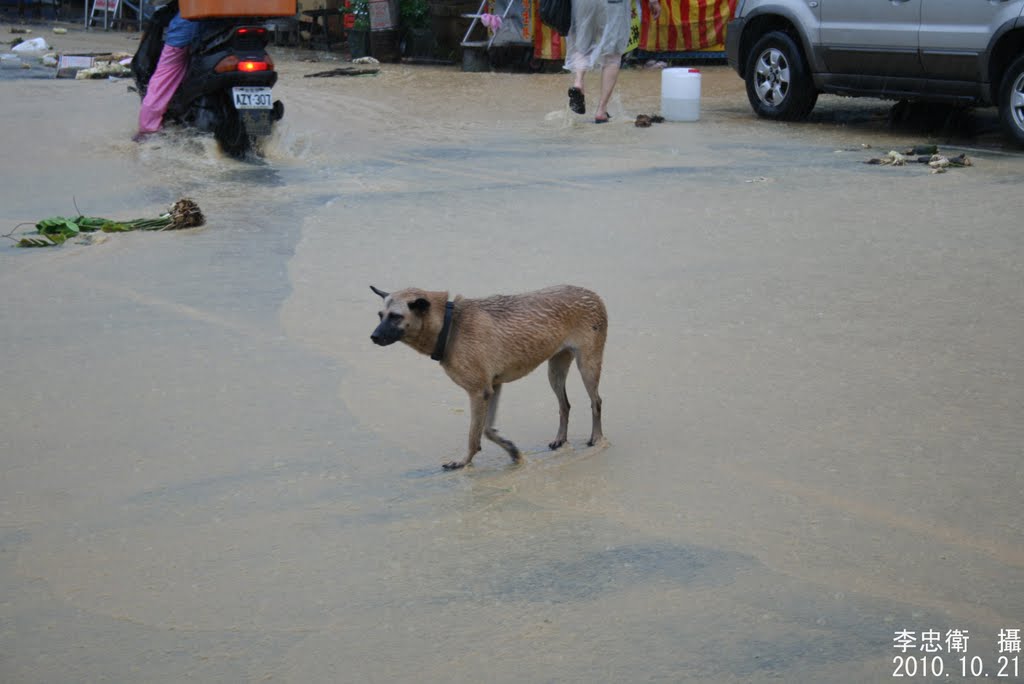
(557, 444)
(453, 465)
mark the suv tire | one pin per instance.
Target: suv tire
(779, 84)
(1011, 102)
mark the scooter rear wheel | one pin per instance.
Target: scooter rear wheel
(231, 134)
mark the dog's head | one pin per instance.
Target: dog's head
(402, 316)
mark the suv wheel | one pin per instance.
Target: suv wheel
(1011, 101)
(779, 85)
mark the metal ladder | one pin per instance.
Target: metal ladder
(110, 10)
(486, 44)
(113, 11)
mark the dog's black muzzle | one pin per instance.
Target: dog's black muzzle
(386, 334)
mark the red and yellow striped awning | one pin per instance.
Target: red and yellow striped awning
(684, 26)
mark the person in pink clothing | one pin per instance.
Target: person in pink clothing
(168, 75)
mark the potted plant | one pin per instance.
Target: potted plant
(415, 19)
(359, 34)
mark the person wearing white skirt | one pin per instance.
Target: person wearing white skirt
(598, 38)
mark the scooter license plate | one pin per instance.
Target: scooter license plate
(252, 98)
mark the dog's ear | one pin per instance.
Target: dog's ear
(419, 306)
(382, 293)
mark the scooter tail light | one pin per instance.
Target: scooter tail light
(251, 65)
(229, 63)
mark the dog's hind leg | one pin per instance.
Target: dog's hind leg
(558, 369)
(492, 433)
(590, 369)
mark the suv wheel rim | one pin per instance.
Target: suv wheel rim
(1017, 101)
(771, 78)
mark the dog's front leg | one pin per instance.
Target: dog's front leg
(491, 432)
(478, 402)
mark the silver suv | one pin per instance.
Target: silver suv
(959, 51)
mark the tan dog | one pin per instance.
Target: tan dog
(484, 343)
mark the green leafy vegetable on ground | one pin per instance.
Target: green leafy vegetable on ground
(184, 213)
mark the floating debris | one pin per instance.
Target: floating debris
(937, 160)
(939, 163)
(31, 46)
(37, 241)
(69, 66)
(894, 158)
(184, 213)
(645, 120)
(926, 154)
(103, 70)
(342, 71)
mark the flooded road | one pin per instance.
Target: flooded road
(812, 393)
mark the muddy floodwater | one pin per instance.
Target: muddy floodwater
(813, 389)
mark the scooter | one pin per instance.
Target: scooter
(227, 88)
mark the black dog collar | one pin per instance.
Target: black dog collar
(442, 339)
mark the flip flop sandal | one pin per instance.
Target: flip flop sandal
(576, 101)
(606, 119)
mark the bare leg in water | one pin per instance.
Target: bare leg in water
(609, 77)
(577, 102)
